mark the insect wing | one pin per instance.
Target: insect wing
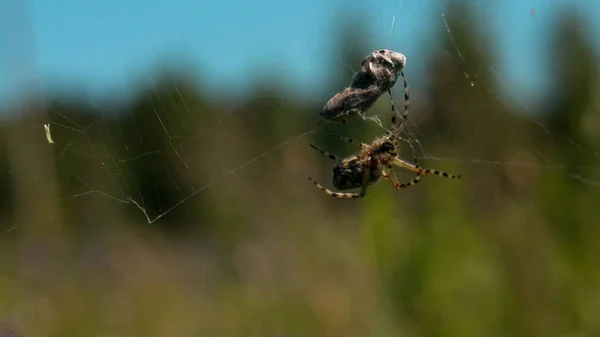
(349, 103)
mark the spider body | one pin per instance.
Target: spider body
(373, 163)
(349, 173)
(377, 75)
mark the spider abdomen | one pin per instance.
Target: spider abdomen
(350, 173)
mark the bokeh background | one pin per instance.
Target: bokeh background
(174, 199)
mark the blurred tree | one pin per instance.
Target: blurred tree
(38, 218)
(575, 88)
(162, 133)
(463, 118)
(568, 201)
(568, 110)
(6, 194)
(37, 213)
(86, 169)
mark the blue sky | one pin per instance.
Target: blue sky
(103, 45)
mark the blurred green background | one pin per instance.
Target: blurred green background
(244, 245)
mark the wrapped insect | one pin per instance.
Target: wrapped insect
(378, 74)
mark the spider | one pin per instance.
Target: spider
(378, 74)
(374, 162)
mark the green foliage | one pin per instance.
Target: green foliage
(255, 250)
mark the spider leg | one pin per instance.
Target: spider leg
(345, 139)
(416, 168)
(339, 195)
(388, 173)
(400, 186)
(395, 126)
(373, 118)
(325, 153)
(393, 105)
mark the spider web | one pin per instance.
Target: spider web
(116, 145)
(174, 141)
